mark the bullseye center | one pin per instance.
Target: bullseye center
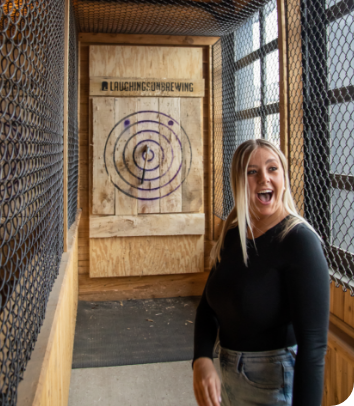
(150, 154)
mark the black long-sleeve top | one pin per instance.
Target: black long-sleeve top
(279, 300)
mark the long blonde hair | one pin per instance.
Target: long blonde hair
(240, 215)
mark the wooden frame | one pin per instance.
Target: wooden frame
(283, 78)
(65, 129)
(159, 40)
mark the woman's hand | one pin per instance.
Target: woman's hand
(206, 382)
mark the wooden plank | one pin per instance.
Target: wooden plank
(131, 256)
(218, 224)
(192, 187)
(295, 91)
(145, 62)
(171, 159)
(78, 117)
(102, 187)
(124, 203)
(338, 302)
(283, 77)
(46, 380)
(141, 287)
(133, 87)
(217, 141)
(134, 39)
(339, 369)
(148, 135)
(208, 245)
(348, 309)
(209, 157)
(346, 328)
(148, 225)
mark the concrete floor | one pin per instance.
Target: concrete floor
(161, 384)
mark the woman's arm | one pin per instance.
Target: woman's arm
(205, 327)
(307, 281)
(206, 382)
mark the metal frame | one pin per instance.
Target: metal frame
(317, 98)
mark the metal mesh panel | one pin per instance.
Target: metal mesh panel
(169, 17)
(31, 176)
(246, 94)
(321, 95)
(73, 128)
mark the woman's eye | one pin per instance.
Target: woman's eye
(273, 168)
(252, 172)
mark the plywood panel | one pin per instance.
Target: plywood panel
(141, 287)
(84, 140)
(129, 256)
(102, 187)
(153, 87)
(149, 225)
(192, 187)
(147, 135)
(124, 204)
(170, 160)
(130, 62)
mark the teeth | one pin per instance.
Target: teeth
(265, 191)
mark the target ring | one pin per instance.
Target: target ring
(166, 166)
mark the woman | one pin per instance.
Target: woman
(267, 295)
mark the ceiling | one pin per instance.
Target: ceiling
(162, 17)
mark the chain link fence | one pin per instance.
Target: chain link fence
(31, 175)
(321, 106)
(73, 126)
(320, 55)
(246, 94)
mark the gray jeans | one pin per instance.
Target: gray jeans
(257, 378)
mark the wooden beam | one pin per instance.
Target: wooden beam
(141, 287)
(295, 102)
(138, 39)
(149, 225)
(65, 126)
(210, 157)
(78, 118)
(283, 78)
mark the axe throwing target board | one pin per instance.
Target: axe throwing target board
(147, 182)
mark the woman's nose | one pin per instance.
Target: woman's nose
(263, 176)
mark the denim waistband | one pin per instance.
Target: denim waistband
(258, 354)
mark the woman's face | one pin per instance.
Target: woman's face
(265, 177)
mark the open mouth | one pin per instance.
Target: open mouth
(265, 197)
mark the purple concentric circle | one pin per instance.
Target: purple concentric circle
(168, 162)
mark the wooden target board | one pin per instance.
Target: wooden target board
(147, 214)
(124, 129)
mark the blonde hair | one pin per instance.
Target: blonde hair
(240, 215)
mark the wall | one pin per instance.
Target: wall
(46, 380)
(339, 373)
(148, 286)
